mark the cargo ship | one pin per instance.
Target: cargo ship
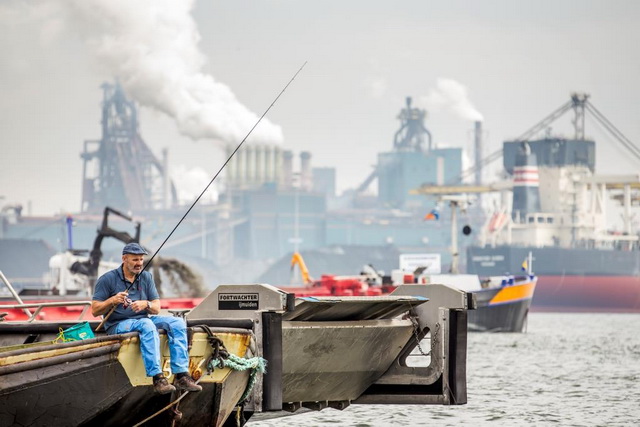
(571, 279)
(557, 212)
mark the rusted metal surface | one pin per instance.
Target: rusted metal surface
(56, 352)
(90, 379)
(56, 359)
(45, 346)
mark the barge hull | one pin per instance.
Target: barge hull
(508, 317)
(588, 293)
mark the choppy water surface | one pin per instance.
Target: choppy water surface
(568, 369)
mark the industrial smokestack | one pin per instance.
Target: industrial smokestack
(272, 163)
(287, 169)
(478, 152)
(526, 192)
(250, 164)
(240, 157)
(305, 171)
(230, 173)
(259, 155)
(269, 163)
(277, 164)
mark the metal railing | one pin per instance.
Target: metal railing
(42, 305)
(38, 306)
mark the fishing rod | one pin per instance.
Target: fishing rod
(203, 191)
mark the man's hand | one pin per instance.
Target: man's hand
(98, 308)
(139, 305)
(119, 298)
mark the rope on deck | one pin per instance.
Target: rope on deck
(221, 358)
(256, 364)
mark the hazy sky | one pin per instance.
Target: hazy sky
(518, 60)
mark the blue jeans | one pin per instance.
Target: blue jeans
(150, 341)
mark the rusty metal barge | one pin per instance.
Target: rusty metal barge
(321, 352)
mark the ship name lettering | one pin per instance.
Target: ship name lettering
(238, 297)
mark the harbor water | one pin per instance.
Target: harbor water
(567, 370)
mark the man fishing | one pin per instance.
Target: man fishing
(132, 294)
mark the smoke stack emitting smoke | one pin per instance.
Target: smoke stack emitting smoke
(451, 95)
(151, 47)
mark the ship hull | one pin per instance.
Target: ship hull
(569, 279)
(102, 381)
(503, 309)
(588, 293)
(508, 317)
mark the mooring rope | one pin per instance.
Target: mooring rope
(175, 402)
(221, 358)
(256, 364)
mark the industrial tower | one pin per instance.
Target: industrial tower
(410, 136)
(119, 170)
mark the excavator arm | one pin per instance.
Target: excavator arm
(90, 266)
(297, 259)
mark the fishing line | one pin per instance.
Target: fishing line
(224, 164)
(207, 187)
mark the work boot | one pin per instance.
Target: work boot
(161, 385)
(185, 382)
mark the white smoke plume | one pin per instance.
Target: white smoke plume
(151, 47)
(452, 96)
(190, 182)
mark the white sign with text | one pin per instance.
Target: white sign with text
(430, 262)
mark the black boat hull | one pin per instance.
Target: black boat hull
(90, 383)
(503, 309)
(507, 317)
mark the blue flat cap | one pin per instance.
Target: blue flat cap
(133, 248)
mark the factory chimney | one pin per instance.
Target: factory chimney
(526, 192)
(259, 164)
(306, 180)
(287, 169)
(478, 152)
